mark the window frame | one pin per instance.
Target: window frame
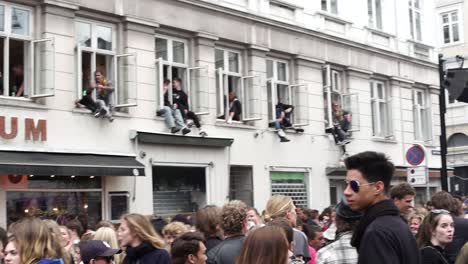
(274, 81)
(413, 11)
(329, 6)
(95, 51)
(376, 102)
(450, 25)
(222, 85)
(28, 45)
(422, 130)
(373, 20)
(160, 63)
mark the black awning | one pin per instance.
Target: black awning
(169, 139)
(67, 164)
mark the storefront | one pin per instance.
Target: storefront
(61, 186)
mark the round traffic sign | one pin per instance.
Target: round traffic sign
(415, 155)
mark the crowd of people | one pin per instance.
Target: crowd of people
(373, 224)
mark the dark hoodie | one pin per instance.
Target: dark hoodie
(145, 253)
(383, 237)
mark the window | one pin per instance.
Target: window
(381, 109)
(330, 6)
(241, 184)
(415, 19)
(292, 184)
(450, 27)
(421, 111)
(172, 63)
(61, 198)
(230, 82)
(374, 11)
(96, 52)
(27, 65)
(338, 101)
(280, 90)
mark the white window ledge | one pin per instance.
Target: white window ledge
(20, 102)
(380, 32)
(234, 124)
(390, 139)
(333, 17)
(287, 4)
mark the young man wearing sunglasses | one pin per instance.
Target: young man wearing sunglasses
(97, 252)
(381, 236)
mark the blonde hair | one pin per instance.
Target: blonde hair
(37, 239)
(108, 234)
(142, 228)
(278, 206)
(175, 228)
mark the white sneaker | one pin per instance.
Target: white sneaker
(229, 121)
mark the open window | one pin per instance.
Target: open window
(230, 84)
(171, 64)
(351, 111)
(333, 93)
(126, 85)
(197, 90)
(280, 90)
(43, 68)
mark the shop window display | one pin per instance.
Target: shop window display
(59, 198)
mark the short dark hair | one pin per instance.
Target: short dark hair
(373, 166)
(77, 226)
(401, 190)
(444, 200)
(310, 232)
(177, 79)
(186, 244)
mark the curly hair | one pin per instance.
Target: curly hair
(175, 228)
(233, 216)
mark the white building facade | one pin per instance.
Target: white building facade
(375, 58)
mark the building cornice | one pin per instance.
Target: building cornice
(144, 22)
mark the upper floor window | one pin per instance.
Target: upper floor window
(330, 6)
(282, 91)
(450, 27)
(421, 112)
(237, 95)
(415, 19)
(374, 11)
(96, 52)
(340, 107)
(381, 109)
(172, 63)
(26, 65)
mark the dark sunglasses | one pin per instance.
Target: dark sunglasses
(107, 259)
(355, 185)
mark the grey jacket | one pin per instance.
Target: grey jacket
(227, 251)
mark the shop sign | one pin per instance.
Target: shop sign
(35, 131)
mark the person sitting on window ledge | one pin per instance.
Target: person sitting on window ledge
(18, 81)
(104, 91)
(341, 123)
(172, 115)
(180, 100)
(235, 108)
(282, 121)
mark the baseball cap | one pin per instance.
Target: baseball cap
(96, 248)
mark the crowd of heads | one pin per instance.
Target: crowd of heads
(235, 233)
